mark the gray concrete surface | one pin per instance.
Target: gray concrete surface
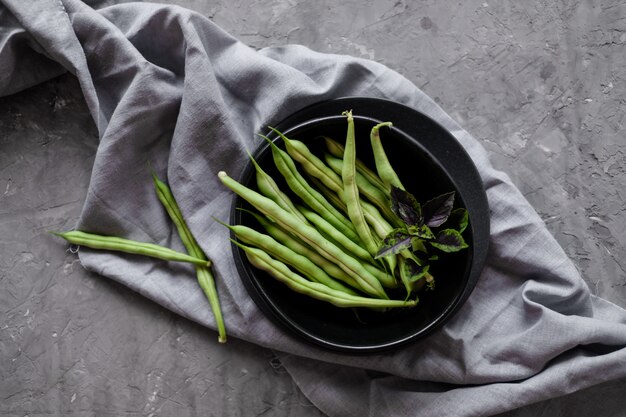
(540, 84)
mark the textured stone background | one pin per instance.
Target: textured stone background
(540, 84)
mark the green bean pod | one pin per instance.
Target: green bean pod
(335, 235)
(330, 268)
(370, 212)
(383, 166)
(281, 272)
(337, 150)
(351, 191)
(119, 244)
(308, 234)
(282, 253)
(268, 187)
(312, 198)
(203, 274)
(329, 174)
(311, 164)
(379, 198)
(302, 248)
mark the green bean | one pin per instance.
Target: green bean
(203, 274)
(268, 187)
(281, 272)
(330, 175)
(311, 164)
(351, 191)
(373, 218)
(168, 201)
(371, 213)
(331, 269)
(369, 190)
(119, 244)
(320, 173)
(383, 166)
(337, 150)
(312, 198)
(335, 235)
(281, 252)
(308, 234)
(302, 248)
(334, 198)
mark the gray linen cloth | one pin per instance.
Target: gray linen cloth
(168, 86)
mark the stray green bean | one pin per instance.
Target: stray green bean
(203, 274)
(119, 244)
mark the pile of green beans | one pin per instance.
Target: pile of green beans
(323, 244)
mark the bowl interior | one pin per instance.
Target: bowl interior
(359, 329)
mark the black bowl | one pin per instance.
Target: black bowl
(430, 162)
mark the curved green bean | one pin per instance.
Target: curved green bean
(312, 198)
(351, 191)
(331, 269)
(329, 174)
(268, 187)
(302, 248)
(119, 244)
(282, 253)
(311, 164)
(374, 194)
(371, 213)
(336, 149)
(281, 272)
(168, 201)
(203, 274)
(335, 235)
(383, 166)
(308, 234)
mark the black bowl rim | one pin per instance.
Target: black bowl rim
(476, 198)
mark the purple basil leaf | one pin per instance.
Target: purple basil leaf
(437, 210)
(449, 240)
(458, 220)
(396, 241)
(406, 207)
